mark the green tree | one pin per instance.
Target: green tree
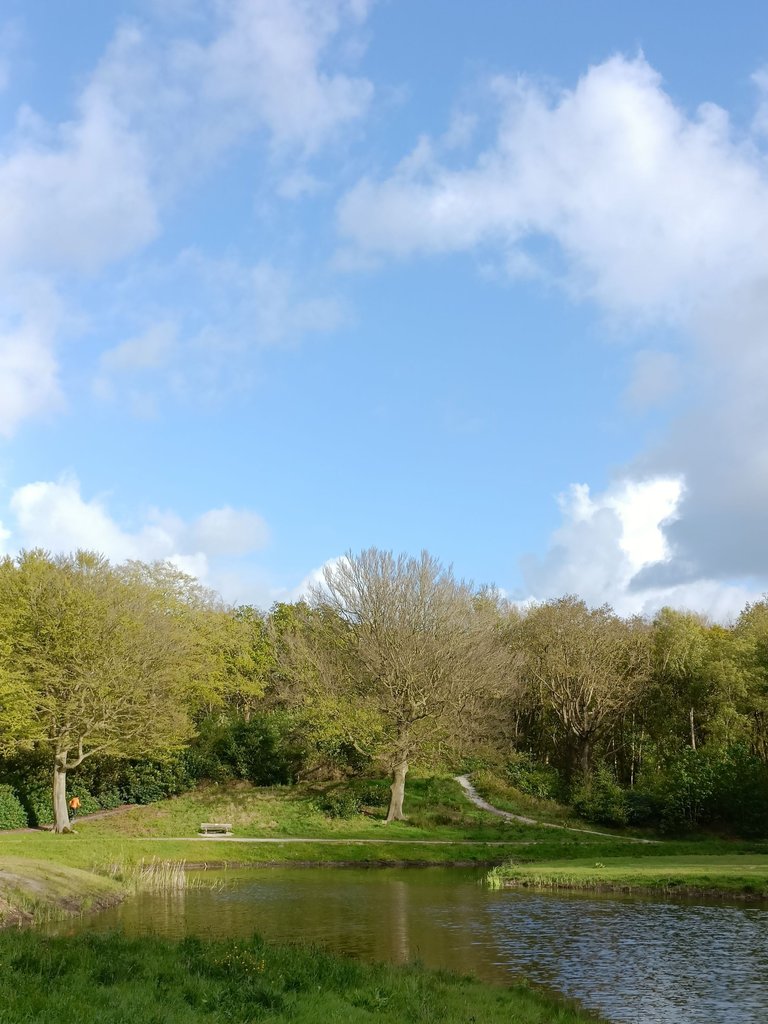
(105, 660)
(417, 651)
(584, 669)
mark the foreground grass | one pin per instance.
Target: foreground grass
(113, 980)
(742, 875)
(33, 890)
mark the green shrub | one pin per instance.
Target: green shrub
(88, 804)
(534, 778)
(373, 795)
(707, 786)
(37, 800)
(740, 796)
(262, 750)
(12, 813)
(600, 798)
(339, 803)
(110, 799)
(145, 782)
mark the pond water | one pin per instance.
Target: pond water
(636, 961)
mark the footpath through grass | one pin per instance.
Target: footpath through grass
(437, 811)
(113, 980)
(703, 865)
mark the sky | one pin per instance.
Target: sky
(281, 279)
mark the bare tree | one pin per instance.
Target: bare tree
(423, 649)
(586, 667)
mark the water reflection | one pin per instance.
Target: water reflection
(636, 961)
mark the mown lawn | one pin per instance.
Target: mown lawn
(737, 874)
(115, 980)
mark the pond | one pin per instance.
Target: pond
(637, 961)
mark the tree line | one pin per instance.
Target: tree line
(390, 663)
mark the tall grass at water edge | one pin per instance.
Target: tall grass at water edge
(96, 979)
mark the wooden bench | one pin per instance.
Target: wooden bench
(214, 827)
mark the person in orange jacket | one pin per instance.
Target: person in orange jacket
(74, 807)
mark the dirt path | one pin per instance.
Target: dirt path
(477, 800)
(339, 842)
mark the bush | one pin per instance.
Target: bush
(373, 795)
(339, 803)
(740, 796)
(144, 782)
(534, 778)
(600, 798)
(37, 800)
(110, 799)
(88, 803)
(12, 813)
(261, 750)
(704, 787)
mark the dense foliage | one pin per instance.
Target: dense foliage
(144, 683)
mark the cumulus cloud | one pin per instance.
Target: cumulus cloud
(659, 217)
(54, 515)
(243, 67)
(652, 208)
(607, 542)
(75, 197)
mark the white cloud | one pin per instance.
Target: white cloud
(207, 347)
(314, 580)
(653, 209)
(229, 531)
(157, 110)
(606, 541)
(55, 516)
(76, 197)
(244, 67)
(265, 67)
(659, 217)
(30, 320)
(147, 351)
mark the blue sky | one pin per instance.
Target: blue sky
(278, 280)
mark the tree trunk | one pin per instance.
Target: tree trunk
(693, 731)
(586, 756)
(60, 809)
(397, 789)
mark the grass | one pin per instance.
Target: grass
(740, 875)
(502, 794)
(119, 845)
(43, 890)
(437, 810)
(113, 980)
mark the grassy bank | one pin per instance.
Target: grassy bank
(34, 890)
(111, 979)
(742, 875)
(442, 828)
